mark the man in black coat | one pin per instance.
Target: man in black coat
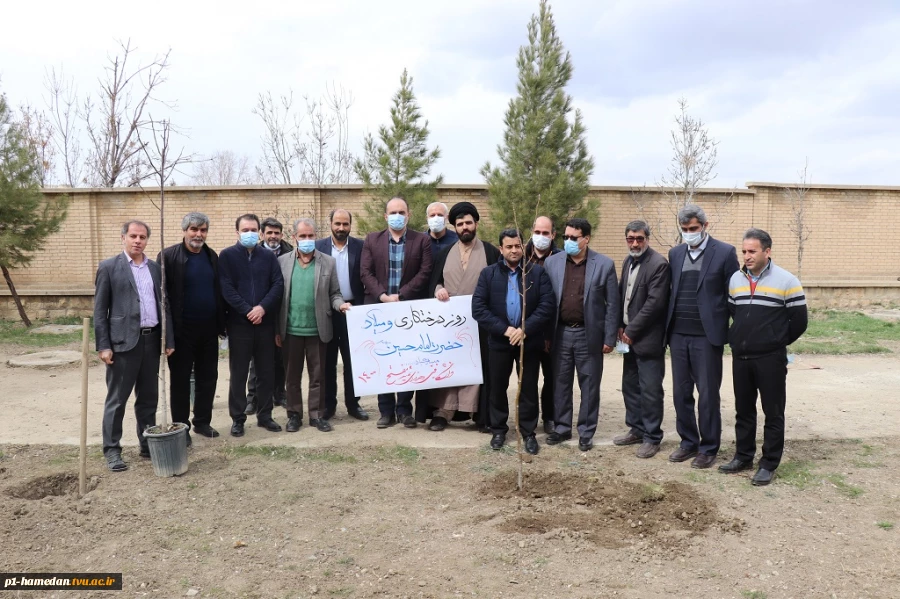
(497, 305)
(198, 313)
(644, 286)
(347, 253)
(697, 327)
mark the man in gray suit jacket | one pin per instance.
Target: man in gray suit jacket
(127, 326)
(311, 292)
(587, 296)
(642, 326)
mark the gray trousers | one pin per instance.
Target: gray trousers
(134, 370)
(642, 389)
(572, 355)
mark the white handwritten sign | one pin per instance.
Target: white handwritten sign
(422, 344)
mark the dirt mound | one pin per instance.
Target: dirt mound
(608, 510)
(46, 486)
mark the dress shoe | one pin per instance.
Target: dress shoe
(627, 439)
(206, 430)
(556, 438)
(321, 424)
(145, 452)
(386, 421)
(270, 425)
(762, 477)
(497, 441)
(681, 454)
(408, 421)
(357, 413)
(237, 429)
(647, 450)
(703, 461)
(736, 465)
(293, 423)
(549, 426)
(531, 445)
(585, 444)
(114, 461)
(251, 408)
(438, 423)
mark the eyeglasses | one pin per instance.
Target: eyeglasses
(572, 237)
(635, 239)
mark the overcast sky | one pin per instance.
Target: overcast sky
(776, 81)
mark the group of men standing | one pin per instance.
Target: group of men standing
(539, 309)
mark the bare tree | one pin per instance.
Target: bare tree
(223, 168)
(279, 157)
(796, 196)
(113, 121)
(62, 103)
(318, 153)
(39, 134)
(692, 167)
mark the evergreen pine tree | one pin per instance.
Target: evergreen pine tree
(26, 217)
(398, 162)
(544, 161)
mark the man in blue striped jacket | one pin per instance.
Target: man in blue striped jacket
(768, 308)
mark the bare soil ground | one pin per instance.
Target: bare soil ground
(362, 512)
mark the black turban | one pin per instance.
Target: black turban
(463, 209)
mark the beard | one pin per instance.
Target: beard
(341, 235)
(637, 253)
(467, 236)
(195, 243)
(273, 245)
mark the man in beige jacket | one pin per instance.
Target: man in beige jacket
(311, 292)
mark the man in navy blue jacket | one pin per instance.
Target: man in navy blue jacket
(497, 306)
(252, 286)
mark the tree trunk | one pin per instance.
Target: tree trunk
(15, 296)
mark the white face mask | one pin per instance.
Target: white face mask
(540, 242)
(436, 224)
(692, 239)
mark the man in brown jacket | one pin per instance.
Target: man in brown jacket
(644, 286)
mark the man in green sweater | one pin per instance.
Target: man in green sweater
(311, 292)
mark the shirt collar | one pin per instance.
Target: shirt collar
(749, 274)
(402, 237)
(131, 261)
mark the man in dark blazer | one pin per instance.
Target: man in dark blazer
(644, 286)
(127, 328)
(697, 328)
(347, 253)
(497, 306)
(198, 314)
(395, 266)
(586, 323)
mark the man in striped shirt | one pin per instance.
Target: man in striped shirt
(769, 311)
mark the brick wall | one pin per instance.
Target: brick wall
(845, 249)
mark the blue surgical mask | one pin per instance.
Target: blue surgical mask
(396, 221)
(572, 248)
(306, 246)
(249, 239)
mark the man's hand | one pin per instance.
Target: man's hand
(619, 334)
(547, 346)
(256, 314)
(106, 356)
(278, 340)
(606, 349)
(169, 351)
(442, 295)
(517, 337)
(385, 298)
(345, 307)
(625, 338)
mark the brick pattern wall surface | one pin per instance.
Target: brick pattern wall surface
(842, 247)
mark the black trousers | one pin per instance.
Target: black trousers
(279, 384)
(697, 362)
(339, 343)
(246, 342)
(547, 408)
(501, 367)
(197, 350)
(134, 370)
(642, 389)
(767, 377)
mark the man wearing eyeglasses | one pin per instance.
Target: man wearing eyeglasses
(642, 330)
(587, 294)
